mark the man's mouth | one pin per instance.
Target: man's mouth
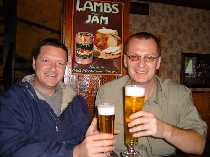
(141, 72)
(50, 75)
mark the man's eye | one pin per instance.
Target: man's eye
(134, 58)
(44, 60)
(61, 64)
(149, 57)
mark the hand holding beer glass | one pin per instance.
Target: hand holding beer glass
(133, 102)
(106, 116)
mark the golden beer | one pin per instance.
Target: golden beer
(106, 116)
(134, 101)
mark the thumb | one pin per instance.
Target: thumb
(92, 128)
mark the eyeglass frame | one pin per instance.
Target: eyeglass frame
(146, 58)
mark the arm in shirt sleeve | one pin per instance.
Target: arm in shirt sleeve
(189, 117)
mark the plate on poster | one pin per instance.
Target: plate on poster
(107, 44)
(109, 53)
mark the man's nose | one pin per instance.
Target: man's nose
(141, 62)
(53, 66)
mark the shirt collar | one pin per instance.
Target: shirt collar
(156, 95)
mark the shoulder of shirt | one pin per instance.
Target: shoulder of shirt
(18, 92)
(169, 84)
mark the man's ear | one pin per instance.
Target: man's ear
(34, 64)
(158, 63)
(125, 61)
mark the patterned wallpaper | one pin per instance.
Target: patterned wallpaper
(181, 29)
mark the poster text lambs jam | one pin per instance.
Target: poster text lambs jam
(97, 37)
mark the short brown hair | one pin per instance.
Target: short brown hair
(49, 42)
(144, 35)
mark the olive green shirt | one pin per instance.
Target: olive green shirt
(170, 102)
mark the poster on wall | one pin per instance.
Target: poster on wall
(97, 35)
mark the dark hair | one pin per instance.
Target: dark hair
(144, 35)
(49, 42)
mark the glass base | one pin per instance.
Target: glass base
(126, 154)
(113, 154)
(130, 152)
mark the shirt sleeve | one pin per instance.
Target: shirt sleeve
(189, 117)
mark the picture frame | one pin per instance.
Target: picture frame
(195, 70)
(94, 32)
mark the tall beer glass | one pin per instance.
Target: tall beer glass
(106, 117)
(133, 102)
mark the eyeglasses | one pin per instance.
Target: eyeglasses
(147, 59)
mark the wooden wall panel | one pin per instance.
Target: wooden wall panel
(202, 102)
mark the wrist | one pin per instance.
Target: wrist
(167, 131)
(76, 151)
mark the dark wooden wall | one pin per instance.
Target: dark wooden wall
(202, 102)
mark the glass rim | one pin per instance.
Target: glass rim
(134, 90)
(104, 104)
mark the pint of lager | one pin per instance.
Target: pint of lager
(106, 116)
(134, 101)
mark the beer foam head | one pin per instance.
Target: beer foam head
(134, 90)
(105, 109)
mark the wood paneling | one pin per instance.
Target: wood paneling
(202, 102)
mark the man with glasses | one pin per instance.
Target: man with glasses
(169, 120)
